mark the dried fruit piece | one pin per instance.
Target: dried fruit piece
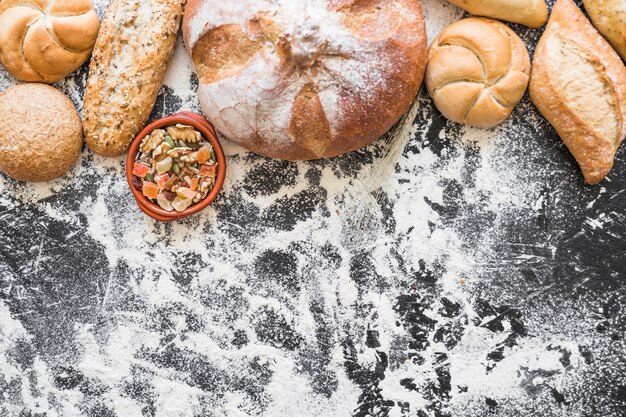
(161, 180)
(141, 170)
(185, 192)
(208, 170)
(181, 204)
(137, 183)
(204, 154)
(174, 180)
(150, 189)
(164, 203)
(165, 165)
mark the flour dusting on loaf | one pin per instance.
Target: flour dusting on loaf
(352, 68)
(578, 83)
(586, 90)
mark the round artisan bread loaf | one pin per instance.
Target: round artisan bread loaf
(45, 40)
(41, 135)
(306, 80)
(478, 70)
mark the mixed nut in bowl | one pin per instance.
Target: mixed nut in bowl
(176, 167)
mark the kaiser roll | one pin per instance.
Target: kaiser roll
(45, 40)
(306, 79)
(40, 133)
(478, 70)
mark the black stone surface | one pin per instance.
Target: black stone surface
(553, 282)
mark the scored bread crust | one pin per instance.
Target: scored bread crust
(531, 13)
(591, 123)
(307, 79)
(136, 42)
(478, 70)
(45, 40)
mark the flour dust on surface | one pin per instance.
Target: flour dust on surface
(488, 280)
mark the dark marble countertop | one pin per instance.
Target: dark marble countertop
(487, 280)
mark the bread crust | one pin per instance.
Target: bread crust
(40, 133)
(574, 121)
(531, 13)
(609, 17)
(128, 66)
(478, 70)
(281, 83)
(45, 40)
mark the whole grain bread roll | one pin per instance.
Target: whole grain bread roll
(578, 82)
(134, 47)
(609, 17)
(45, 40)
(40, 133)
(478, 70)
(532, 13)
(306, 79)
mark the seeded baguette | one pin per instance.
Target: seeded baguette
(135, 44)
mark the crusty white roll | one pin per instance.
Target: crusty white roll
(532, 13)
(306, 79)
(46, 40)
(478, 70)
(609, 17)
(578, 83)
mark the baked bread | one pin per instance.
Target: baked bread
(609, 17)
(45, 40)
(128, 66)
(532, 13)
(306, 80)
(478, 70)
(578, 82)
(40, 133)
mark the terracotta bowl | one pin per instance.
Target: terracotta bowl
(208, 132)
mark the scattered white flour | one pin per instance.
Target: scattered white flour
(502, 186)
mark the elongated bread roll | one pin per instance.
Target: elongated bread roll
(609, 17)
(578, 82)
(134, 46)
(532, 13)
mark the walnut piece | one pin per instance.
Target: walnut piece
(153, 140)
(185, 133)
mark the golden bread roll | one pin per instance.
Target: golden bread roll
(578, 83)
(45, 40)
(532, 13)
(478, 70)
(609, 17)
(134, 47)
(40, 133)
(305, 80)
